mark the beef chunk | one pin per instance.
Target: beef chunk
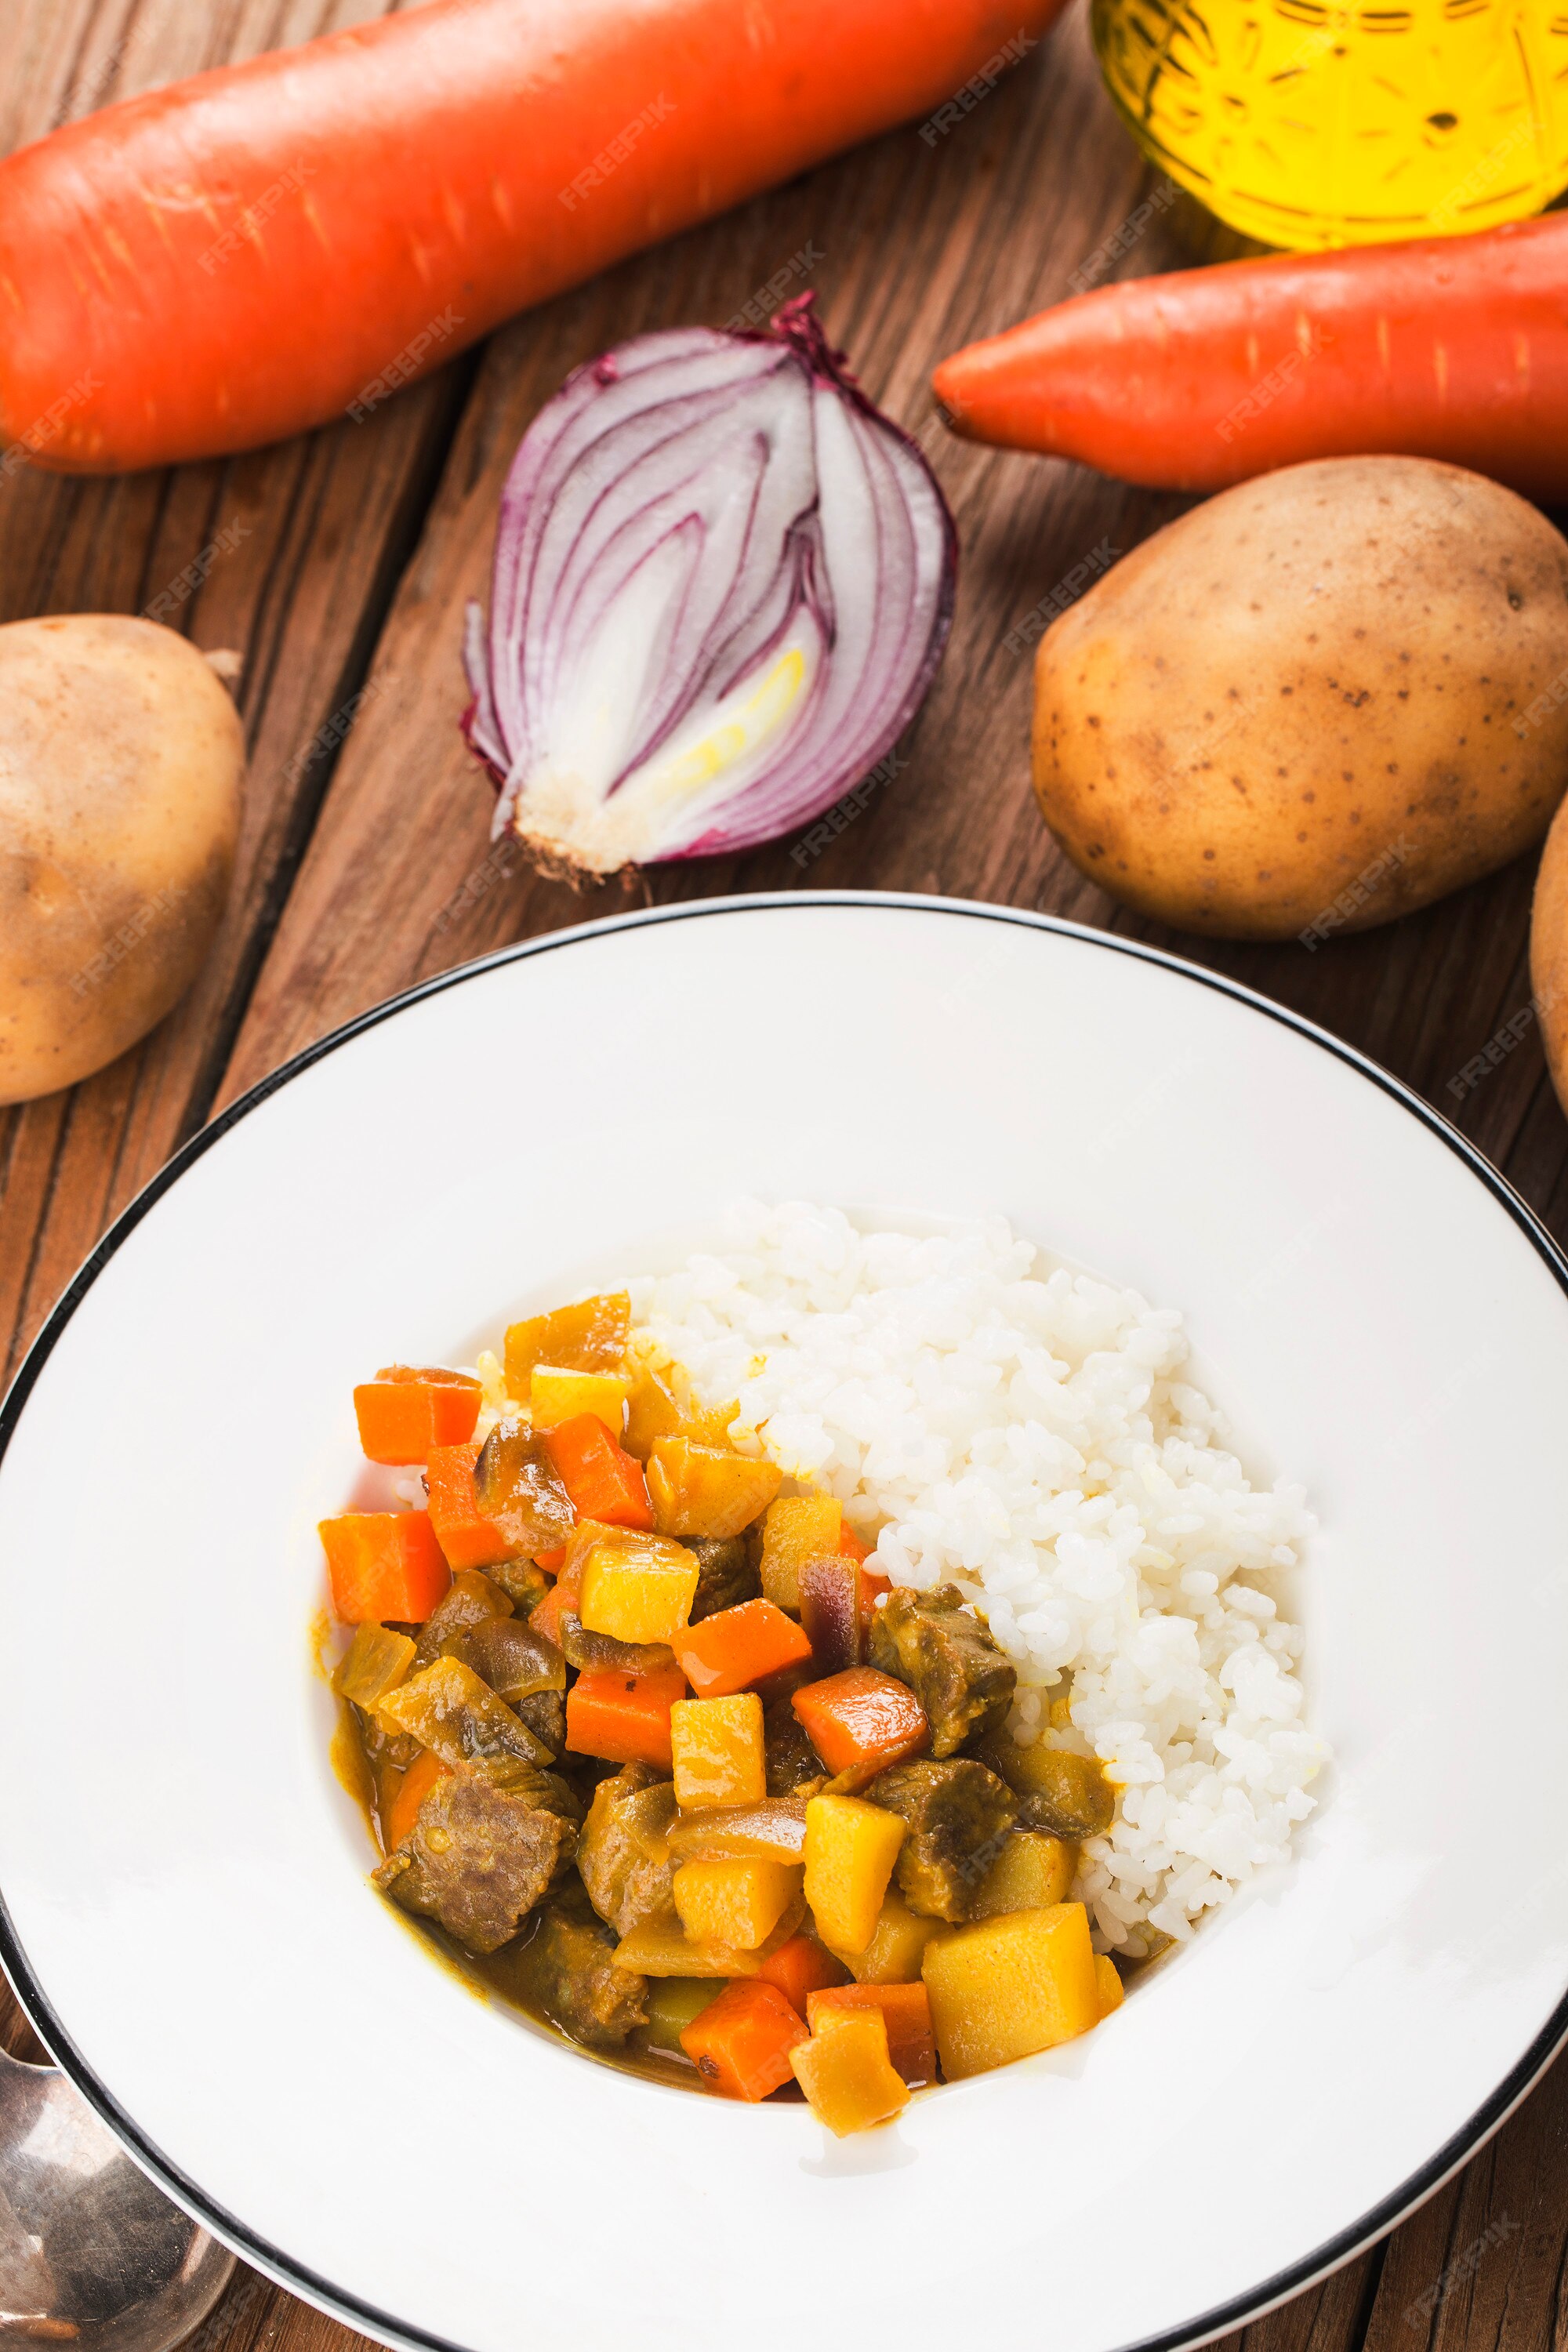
(624, 1853)
(469, 1600)
(959, 1813)
(478, 1858)
(544, 1712)
(590, 1652)
(571, 1970)
(727, 1575)
(931, 1641)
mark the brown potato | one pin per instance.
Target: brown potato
(1321, 699)
(121, 763)
(1549, 952)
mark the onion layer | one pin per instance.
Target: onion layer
(722, 586)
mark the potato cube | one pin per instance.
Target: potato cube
(661, 1948)
(718, 1748)
(661, 1405)
(1108, 1981)
(846, 2073)
(897, 1947)
(638, 1591)
(1033, 1871)
(705, 1490)
(798, 1527)
(738, 1903)
(1002, 1988)
(556, 1395)
(850, 1850)
(673, 2004)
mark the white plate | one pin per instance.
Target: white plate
(187, 1912)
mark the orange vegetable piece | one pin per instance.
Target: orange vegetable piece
(605, 1482)
(800, 1968)
(738, 1647)
(385, 1567)
(411, 1792)
(906, 2012)
(850, 1545)
(623, 1718)
(742, 2042)
(861, 1720)
(467, 1537)
(402, 1413)
(590, 1337)
(708, 1490)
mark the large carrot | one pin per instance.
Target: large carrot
(251, 252)
(1453, 348)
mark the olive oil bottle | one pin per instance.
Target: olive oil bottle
(1318, 123)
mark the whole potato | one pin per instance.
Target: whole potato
(121, 763)
(1325, 696)
(1549, 952)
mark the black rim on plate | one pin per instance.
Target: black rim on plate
(1201, 2329)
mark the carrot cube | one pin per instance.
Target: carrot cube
(623, 1718)
(861, 1721)
(402, 1413)
(741, 2045)
(736, 1647)
(468, 1539)
(385, 1567)
(604, 1481)
(800, 1968)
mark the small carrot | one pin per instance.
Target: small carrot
(605, 1482)
(462, 1531)
(800, 1968)
(402, 1413)
(906, 2011)
(623, 1718)
(386, 1567)
(415, 1785)
(861, 1720)
(849, 1543)
(738, 1647)
(740, 2043)
(1447, 347)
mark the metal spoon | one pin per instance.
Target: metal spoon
(92, 2254)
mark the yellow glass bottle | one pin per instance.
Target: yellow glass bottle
(1316, 122)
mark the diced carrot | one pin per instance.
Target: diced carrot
(462, 1531)
(605, 1482)
(552, 1562)
(849, 1543)
(738, 1647)
(566, 1593)
(402, 1413)
(800, 1968)
(906, 2010)
(623, 1718)
(386, 1567)
(831, 1612)
(741, 2044)
(861, 1720)
(411, 1792)
(873, 1585)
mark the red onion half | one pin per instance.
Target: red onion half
(722, 586)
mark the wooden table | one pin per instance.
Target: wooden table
(365, 864)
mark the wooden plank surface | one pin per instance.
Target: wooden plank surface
(366, 870)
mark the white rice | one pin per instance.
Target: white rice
(1029, 1436)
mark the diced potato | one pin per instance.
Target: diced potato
(1002, 1988)
(376, 1660)
(738, 1903)
(702, 1490)
(556, 1395)
(661, 1947)
(717, 1744)
(590, 1337)
(673, 2003)
(897, 1947)
(661, 1405)
(1108, 1980)
(850, 1850)
(798, 1527)
(846, 2073)
(1033, 1871)
(638, 1591)
(459, 1718)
